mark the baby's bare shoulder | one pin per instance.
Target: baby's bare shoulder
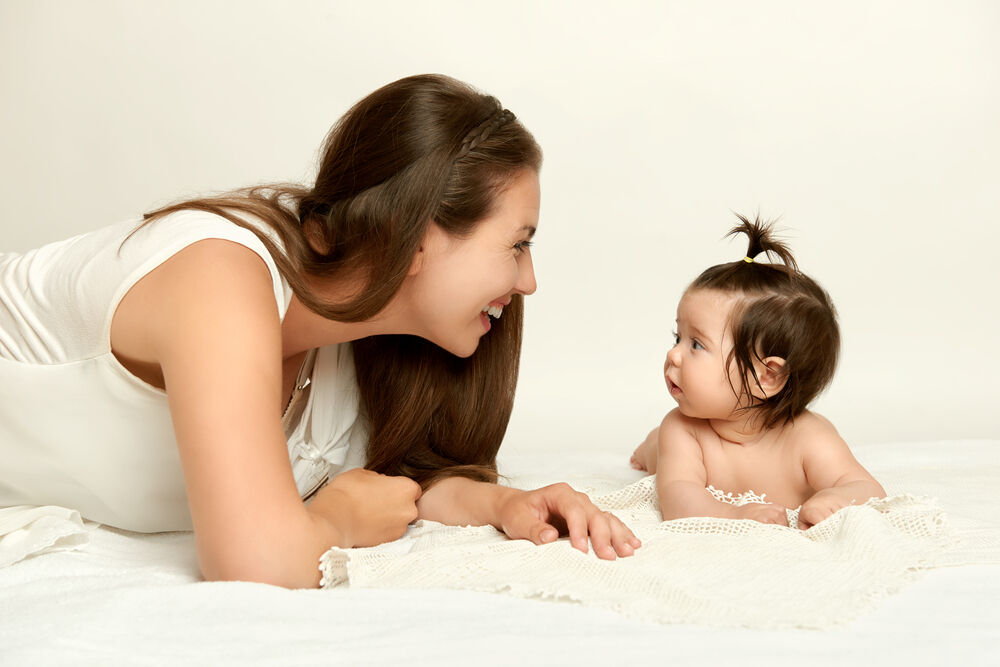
(679, 430)
(811, 429)
(679, 450)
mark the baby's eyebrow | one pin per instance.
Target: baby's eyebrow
(699, 334)
(702, 335)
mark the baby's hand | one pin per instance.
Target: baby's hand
(823, 504)
(765, 513)
(644, 457)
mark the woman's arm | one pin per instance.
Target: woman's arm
(216, 334)
(539, 515)
(681, 479)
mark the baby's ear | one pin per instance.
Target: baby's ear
(771, 376)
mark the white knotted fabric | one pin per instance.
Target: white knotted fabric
(326, 437)
(699, 570)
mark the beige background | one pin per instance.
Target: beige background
(869, 127)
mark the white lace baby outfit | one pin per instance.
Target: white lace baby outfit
(79, 431)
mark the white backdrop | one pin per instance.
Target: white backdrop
(871, 128)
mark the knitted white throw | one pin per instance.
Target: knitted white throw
(696, 570)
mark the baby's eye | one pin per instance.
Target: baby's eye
(696, 345)
(677, 339)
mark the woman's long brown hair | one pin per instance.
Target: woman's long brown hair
(423, 148)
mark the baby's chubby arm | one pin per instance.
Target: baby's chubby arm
(832, 470)
(681, 478)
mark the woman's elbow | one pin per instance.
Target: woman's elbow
(260, 569)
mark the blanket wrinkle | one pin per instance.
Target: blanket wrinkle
(707, 570)
(28, 530)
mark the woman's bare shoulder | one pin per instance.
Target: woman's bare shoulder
(205, 284)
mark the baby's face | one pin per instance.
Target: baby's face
(696, 372)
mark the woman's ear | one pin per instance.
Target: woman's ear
(433, 239)
(771, 377)
(418, 261)
(315, 237)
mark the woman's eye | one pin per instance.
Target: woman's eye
(521, 246)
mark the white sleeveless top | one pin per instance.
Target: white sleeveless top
(78, 430)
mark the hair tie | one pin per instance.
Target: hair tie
(748, 259)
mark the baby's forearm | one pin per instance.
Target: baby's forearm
(858, 491)
(683, 499)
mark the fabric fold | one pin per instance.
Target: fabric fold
(328, 438)
(27, 531)
(703, 570)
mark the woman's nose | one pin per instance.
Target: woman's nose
(525, 276)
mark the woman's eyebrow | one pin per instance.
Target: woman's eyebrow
(530, 229)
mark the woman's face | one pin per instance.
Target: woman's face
(460, 284)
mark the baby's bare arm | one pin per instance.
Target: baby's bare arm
(832, 470)
(681, 478)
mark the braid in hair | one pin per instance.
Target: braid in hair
(481, 132)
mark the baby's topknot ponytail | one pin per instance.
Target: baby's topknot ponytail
(760, 234)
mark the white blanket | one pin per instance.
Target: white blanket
(701, 570)
(131, 599)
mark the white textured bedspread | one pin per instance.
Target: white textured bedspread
(129, 599)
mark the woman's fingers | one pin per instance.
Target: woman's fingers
(575, 516)
(610, 537)
(600, 536)
(537, 516)
(622, 539)
(543, 533)
(523, 517)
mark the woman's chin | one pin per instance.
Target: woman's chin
(465, 351)
(460, 348)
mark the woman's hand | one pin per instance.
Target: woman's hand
(543, 514)
(367, 508)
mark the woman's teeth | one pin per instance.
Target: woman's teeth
(493, 311)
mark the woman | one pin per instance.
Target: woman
(211, 368)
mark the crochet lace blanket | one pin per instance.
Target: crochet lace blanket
(696, 570)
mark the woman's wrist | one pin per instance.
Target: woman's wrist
(328, 512)
(501, 494)
(459, 501)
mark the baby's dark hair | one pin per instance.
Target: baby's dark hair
(783, 313)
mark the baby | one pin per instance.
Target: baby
(755, 343)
